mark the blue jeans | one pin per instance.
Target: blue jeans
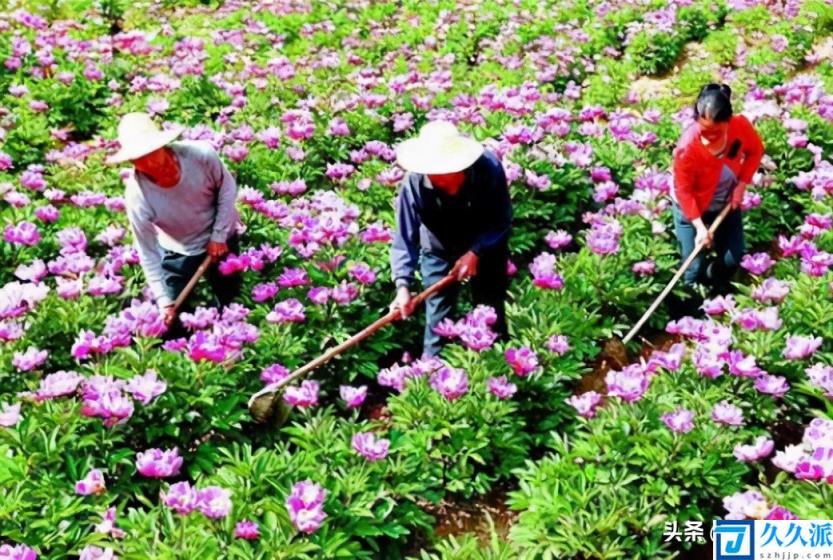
(178, 269)
(488, 287)
(727, 243)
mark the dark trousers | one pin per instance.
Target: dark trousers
(178, 270)
(715, 273)
(488, 287)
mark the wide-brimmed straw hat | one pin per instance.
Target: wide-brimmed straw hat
(439, 149)
(139, 136)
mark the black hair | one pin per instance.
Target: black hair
(714, 102)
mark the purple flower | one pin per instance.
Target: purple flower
(558, 344)
(181, 498)
(743, 365)
(477, 336)
(774, 385)
(91, 552)
(108, 525)
(93, 483)
(586, 403)
(319, 295)
(644, 268)
(201, 318)
(628, 384)
(522, 360)
(452, 383)
(156, 463)
(274, 373)
(742, 505)
(603, 238)
(10, 415)
(17, 552)
(214, 502)
(779, 513)
(293, 277)
(394, 377)
(58, 384)
(789, 458)
(800, 347)
(362, 273)
(305, 395)
(680, 421)
(247, 530)
(757, 264)
(287, 311)
(719, 305)
(762, 448)
(543, 272)
(145, 388)
(558, 239)
(30, 359)
(353, 397)
(501, 387)
(369, 447)
(344, 293)
(23, 233)
(726, 413)
(305, 505)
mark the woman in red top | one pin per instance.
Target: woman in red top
(716, 157)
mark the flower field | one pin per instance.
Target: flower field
(115, 444)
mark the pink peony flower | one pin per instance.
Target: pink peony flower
(305, 505)
(181, 498)
(93, 483)
(558, 344)
(762, 448)
(628, 384)
(680, 421)
(369, 447)
(145, 388)
(501, 387)
(214, 502)
(353, 397)
(247, 530)
(452, 383)
(726, 413)
(757, 264)
(586, 403)
(800, 347)
(522, 360)
(305, 395)
(158, 463)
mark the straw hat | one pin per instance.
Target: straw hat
(139, 136)
(439, 149)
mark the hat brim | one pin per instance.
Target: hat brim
(418, 156)
(144, 146)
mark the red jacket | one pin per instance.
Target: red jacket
(697, 171)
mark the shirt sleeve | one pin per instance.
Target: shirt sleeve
(144, 236)
(685, 181)
(753, 150)
(500, 215)
(404, 253)
(226, 218)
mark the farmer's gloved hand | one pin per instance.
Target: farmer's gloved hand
(216, 250)
(466, 266)
(169, 315)
(702, 233)
(737, 195)
(402, 302)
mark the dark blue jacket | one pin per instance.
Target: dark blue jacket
(478, 218)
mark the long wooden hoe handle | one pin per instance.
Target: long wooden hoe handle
(677, 276)
(368, 331)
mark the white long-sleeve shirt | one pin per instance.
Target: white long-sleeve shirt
(185, 217)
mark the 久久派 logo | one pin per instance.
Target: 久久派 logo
(734, 540)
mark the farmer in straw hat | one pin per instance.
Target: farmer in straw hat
(180, 200)
(453, 213)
